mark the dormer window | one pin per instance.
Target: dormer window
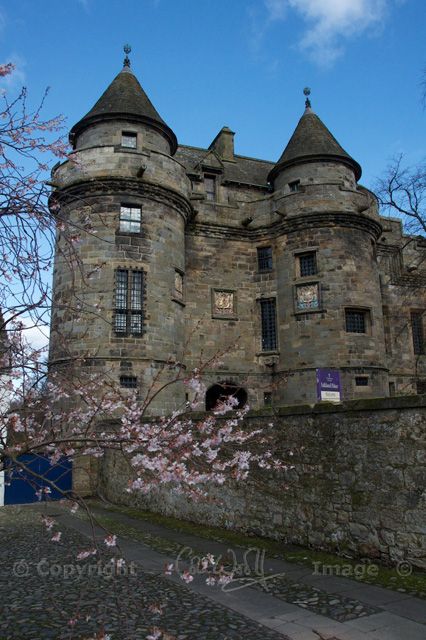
(210, 187)
(128, 139)
(294, 186)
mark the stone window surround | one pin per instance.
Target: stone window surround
(274, 350)
(128, 382)
(210, 178)
(294, 186)
(260, 258)
(368, 320)
(131, 135)
(140, 312)
(417, 325)
(215, 173)
(267, 398)
(224, 316)
(129, 205)
(308, 262)
(362, 381)
(309, 249)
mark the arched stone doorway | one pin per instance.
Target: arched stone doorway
(219, 392)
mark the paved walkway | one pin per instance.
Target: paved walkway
(276, 600)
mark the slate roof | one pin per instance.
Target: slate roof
(244, 170)
(125, 98)
(312, 141)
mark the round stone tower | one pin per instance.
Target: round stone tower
(120, 259)
(331, 315)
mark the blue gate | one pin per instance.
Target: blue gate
(22, 487)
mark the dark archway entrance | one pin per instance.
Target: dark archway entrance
(219, 392)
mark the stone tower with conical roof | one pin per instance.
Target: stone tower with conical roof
(285, 269)
(117, 309)
(329, 257)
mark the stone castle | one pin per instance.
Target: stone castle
(283, 267)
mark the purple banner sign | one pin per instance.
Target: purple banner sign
(328, 385)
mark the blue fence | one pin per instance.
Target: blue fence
(23, 487)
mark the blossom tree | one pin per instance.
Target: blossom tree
(67, 414)
(74, 417)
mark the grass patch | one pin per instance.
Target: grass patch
(388, 577)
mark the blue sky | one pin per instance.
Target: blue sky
(241, 63)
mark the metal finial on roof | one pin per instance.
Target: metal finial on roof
(307, 93)
(127, 49)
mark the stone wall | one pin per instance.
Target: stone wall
(358, 482)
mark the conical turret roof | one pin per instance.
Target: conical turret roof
(313, 142)
(125, 99)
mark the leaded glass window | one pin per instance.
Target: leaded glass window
(130, 219)
(264, 258)
(269, 324)
(210, 187)
(307, 264)
(129, 382)
(356, 321)
(128, 139)
(417, 331)
(128, 302)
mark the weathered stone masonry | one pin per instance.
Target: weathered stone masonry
(204, 216)
(339, 289)
(358, 484)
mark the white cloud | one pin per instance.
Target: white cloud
(36, 336)
(276, 9)
(329, 23)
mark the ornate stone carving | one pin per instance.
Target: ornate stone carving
(178, 285)
(223, 303)
(307, 296)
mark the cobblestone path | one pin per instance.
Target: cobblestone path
(46, 593)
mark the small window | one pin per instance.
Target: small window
(264, 258)
(294, 186)
(417, 331)
(129, 382)
(267, 398)
(130, 219)
(392, 389)
(361, 381)
(421, 387)
(356, 321)
(210, 187)
(307, 264)
(269, 324)
(128, 139)
(128, 302)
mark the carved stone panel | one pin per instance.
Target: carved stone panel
(178, 285)
(223, 303)
(307, 296)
